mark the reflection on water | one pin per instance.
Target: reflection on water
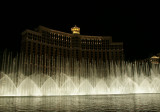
(120, 103)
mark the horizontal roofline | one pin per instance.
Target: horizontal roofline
(71, 35)
(116, 43)
(31, 31)
(64, 33)
(55, 31)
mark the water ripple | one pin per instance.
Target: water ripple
(119, 103)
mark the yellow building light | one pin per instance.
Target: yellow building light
(75, 30)
(154, 57)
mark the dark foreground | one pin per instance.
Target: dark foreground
(119, 103)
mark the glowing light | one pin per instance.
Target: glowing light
(117, 81)
(155, 57)
(75, 30)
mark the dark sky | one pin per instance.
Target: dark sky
(138, 29)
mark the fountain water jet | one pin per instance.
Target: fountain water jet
(28, 88)
(7, 87)
(19, 77)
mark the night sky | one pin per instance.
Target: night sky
(137, 29)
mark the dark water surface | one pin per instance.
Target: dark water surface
(118, 103)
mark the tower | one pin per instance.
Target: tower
(76, 41)
(75, 30)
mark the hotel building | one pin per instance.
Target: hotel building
(47, 44)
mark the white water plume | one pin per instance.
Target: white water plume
(19, 77)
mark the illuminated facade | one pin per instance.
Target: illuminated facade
(50, 44)
(155, 59)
